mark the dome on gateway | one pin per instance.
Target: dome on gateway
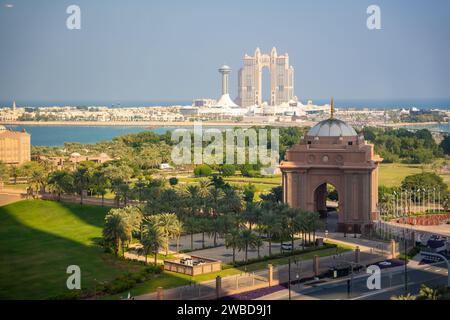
(331, 128)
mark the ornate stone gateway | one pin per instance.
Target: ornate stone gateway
(333, 153)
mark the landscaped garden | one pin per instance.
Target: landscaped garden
(40, 239)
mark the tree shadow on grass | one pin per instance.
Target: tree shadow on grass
(93, 215)
(33, 262)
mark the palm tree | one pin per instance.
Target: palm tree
(271, 226)
(152, 239)
(82, 179)
(191, 225)
(4, 172)
(233, 201)
(313, 223)
(214, 228)
(168, 224)
(427, 293)
(123, 192)
(116, 231)
(101, 184)
(204, 225)
(247, 240)
(292, 221)
(132, 216)
(177, 230)
(214, 200)
(193, 199)
(249, 215)
(15, 173)
(61, 182)
(139, 188)
(203, 192)
(404, 297)
(232, 241)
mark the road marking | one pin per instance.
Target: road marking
(392, 288)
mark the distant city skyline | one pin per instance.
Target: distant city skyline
(140, 52)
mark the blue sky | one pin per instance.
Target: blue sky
(139, 51)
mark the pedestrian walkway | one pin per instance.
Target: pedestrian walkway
(7, 198)
(251, 281)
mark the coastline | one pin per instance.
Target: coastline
(154, 124)
(184, 124)
(413, 124)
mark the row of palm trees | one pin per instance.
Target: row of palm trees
(153, 232)
(272, 222)
(218, 210)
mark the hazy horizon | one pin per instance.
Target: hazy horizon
(144, 51)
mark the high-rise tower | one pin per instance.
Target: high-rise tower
(225, 100)
(250, 79)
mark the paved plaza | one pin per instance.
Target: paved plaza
(226, 255)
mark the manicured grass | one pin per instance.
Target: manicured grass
(40, 239)
(392, 174)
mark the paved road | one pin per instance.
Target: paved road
(392, 283)
(8, 198)
(225, 255)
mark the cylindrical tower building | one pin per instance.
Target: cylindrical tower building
(225, 71)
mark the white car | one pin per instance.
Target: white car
(286, 246)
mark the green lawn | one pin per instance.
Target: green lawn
(392, 174)
(40, 239)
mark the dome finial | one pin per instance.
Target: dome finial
(332, 108)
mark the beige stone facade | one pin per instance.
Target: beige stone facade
(250, 79)
(332, 153)
(15, 147)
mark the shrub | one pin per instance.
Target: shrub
(202, 170)
(228, 170)
(173, 181)
(120, 284)
(249, 170)
(71, 295)
(284, 254)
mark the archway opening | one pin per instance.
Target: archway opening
(326, 202)
(265, 85)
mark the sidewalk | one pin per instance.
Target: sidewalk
(304, 269)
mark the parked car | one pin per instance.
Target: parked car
(286, 246)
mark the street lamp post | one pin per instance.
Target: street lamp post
(406, 262)
(443, 258)
(439, 200)
(289, 278)
(350, 280)
(434, 199)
